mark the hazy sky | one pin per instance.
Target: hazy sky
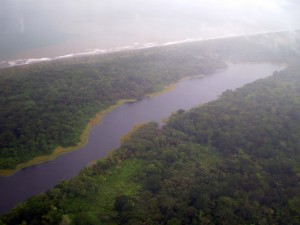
(30, 24)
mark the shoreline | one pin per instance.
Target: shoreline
(128, 135)
(13, 62)
(97, 119)
(58, 151)
(173, 86)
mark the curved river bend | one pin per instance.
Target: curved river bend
(106, 136)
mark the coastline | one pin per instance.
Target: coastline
(97, 119)
(23, 60)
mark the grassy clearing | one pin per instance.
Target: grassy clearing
(121, 180)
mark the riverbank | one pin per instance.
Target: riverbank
(96, 120)
(105, 137)
(173, 86)
(128, 135)
(63, 150)
(85, 134)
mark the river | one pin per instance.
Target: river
(106, 136)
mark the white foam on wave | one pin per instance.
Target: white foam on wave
(16, 62)
(37, 60)
(94, 50)
(170, 43)
(149, 45)
(26, 61)
(181, 41)
(12, 63)
(64, 56)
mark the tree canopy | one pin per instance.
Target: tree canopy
(231, 161)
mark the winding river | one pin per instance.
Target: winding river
(106, 136)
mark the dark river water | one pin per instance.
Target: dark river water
(106, 136)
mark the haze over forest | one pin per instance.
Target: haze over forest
(48, 28)
(84, 133)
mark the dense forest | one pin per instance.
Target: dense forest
(232, 161)
(47, 105)
(42, 108)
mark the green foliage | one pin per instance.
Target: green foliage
(232, 161)
(83, 199)
(49, 106)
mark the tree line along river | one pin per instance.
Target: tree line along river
(106, 136)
